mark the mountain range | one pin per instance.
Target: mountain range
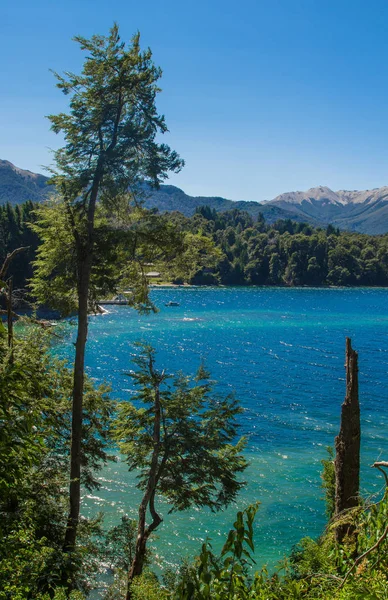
(363, 211)
(18, 185)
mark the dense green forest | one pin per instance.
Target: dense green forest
(243, 251)
(286, 253)
(15, 232)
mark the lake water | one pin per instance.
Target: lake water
(282, 352)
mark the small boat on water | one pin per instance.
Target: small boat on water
(171, 303)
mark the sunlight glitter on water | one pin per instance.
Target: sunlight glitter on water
(282, 352)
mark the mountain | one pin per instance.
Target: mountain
(17, 185)
(169, 198)
(364, 211)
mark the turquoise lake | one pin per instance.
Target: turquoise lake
(282, 352)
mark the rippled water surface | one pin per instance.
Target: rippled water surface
(282, 352)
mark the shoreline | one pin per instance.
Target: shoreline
(268, 287)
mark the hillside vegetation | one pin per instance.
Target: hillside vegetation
(252, 252)
(233, 248)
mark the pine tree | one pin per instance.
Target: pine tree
(110, 146)
(183, 441)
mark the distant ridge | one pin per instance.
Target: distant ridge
(18, 185)
(364, 211)
(170, 198)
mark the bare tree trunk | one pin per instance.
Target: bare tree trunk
(9, 258)
(3, 271)
(347, 446)
(148, 500)
(77, 407)
(85, 261)
(9, 314)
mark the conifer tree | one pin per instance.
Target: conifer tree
(110, 146)
(183, 442)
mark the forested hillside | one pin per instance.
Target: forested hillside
(236, 249)
(251, 252)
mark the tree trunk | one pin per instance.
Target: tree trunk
(9, 314)
(347, 446)
(85, 261)
(140, 550)
(144, 532)
(77, 408)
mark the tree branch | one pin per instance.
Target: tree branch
(378, 465)
(9, 259)
(364, 555)
(156, 519)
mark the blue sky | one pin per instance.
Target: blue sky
(261, 97)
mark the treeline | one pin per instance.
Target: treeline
(286, 253)
(232, 248)
(15, 232)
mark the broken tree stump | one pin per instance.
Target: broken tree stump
(347, 447)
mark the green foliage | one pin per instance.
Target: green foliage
(95, 231)
(226, 576)
(328, 482)
(15, 232)
(196, 262)
(309, 557)
(285, 253)
(119, 544)
(198, 459)
(148, 587)
(195, 250)
(371, 525)
(35, 431)
(124, 243)
(112, 124)
(316, 569)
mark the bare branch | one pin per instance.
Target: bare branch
(378, 465)
(9, 259)
(364, 555)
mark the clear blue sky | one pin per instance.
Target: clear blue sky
(261, 97)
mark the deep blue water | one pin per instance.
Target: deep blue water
(282, 352)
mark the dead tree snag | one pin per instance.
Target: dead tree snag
(347, 446)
